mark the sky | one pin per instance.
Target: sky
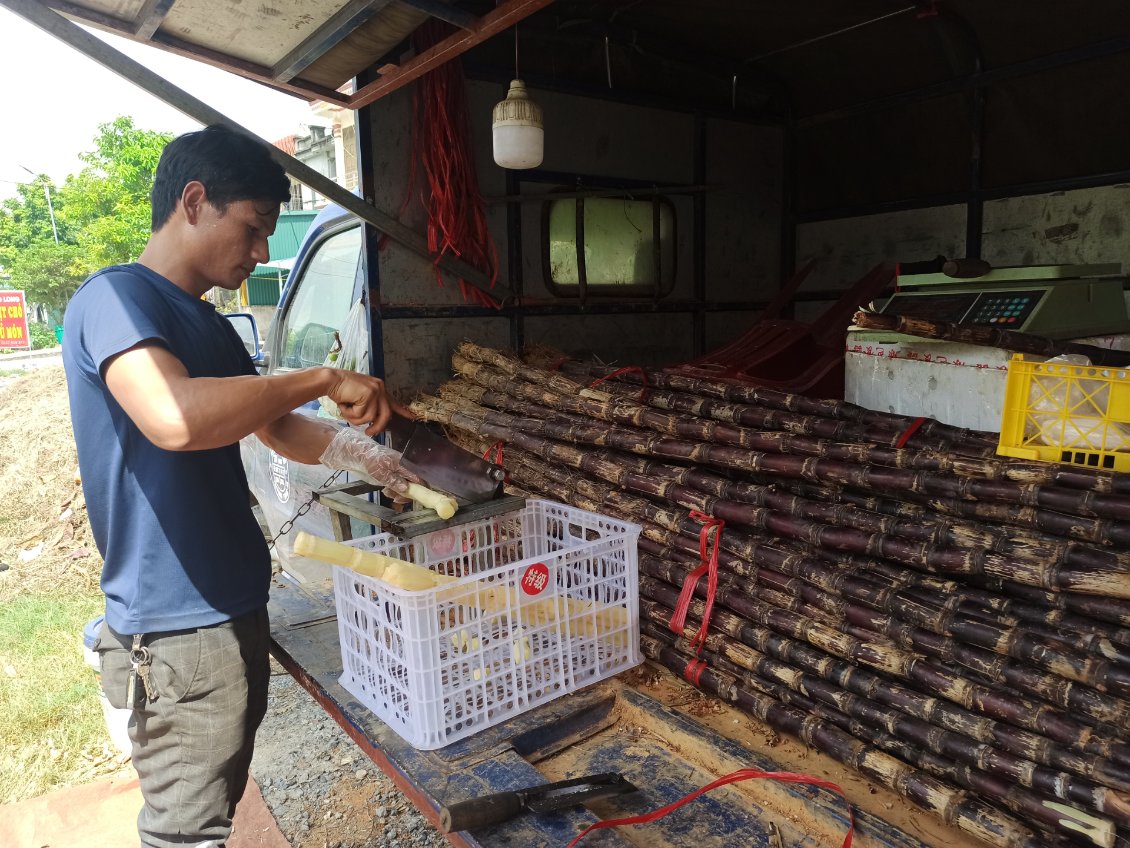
(54, 98)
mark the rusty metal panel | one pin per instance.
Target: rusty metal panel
(649, 340)
(1085, 226)
(418, 352)
(849, 247)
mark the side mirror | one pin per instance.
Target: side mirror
(248, 332)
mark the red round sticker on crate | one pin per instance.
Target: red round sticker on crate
(535, 579)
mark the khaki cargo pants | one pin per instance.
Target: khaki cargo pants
(192, 745)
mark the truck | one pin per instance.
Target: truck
(694, 153)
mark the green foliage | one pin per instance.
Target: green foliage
(102, 215)
(42, 336)
(49, 713)
(26, 219)
(107, 203)
(49, 273)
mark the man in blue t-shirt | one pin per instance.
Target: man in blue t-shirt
(161, 391)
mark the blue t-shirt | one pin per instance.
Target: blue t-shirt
(181, 546)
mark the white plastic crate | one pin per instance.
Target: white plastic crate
(544, 601)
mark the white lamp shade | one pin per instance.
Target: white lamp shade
(519, 137)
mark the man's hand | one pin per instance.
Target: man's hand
(351, 451)
(362, 400)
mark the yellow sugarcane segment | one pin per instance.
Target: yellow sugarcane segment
(394, 572)
(443, 505)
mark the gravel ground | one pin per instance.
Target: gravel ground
(322, 790)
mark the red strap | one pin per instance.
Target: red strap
(693, 671)
(630, 369)
(708, 566)
(735, 777)
(496, 449)
(909, 431)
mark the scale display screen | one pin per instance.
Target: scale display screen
(950, 306)
(1002, 309)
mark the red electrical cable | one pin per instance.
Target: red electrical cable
(734, 777)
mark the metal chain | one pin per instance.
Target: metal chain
(302, 510)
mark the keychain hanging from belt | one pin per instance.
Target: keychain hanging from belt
(140, 661)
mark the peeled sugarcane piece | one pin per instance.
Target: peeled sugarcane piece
(991, 772)
(953, 806)
(410, 577)
(444, 505)
(395, 572)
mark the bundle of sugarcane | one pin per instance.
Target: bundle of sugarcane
(967, 616)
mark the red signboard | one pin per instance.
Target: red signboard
(13, 321)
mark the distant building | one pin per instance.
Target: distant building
(329, 147)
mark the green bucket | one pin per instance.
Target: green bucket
(59, 334)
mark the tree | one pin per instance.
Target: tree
(26, 220)
(102, 213)
(107, 203)
(49, 273)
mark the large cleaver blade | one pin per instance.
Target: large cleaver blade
(442, 465)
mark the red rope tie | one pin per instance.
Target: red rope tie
(629, 369)
(909, 431)
(694, 670)
(734, 777)
(708, 565)
(557, 363)
(496, 449)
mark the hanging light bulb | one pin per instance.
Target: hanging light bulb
(519, 135)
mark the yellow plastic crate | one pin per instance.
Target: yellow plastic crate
(1079, 415)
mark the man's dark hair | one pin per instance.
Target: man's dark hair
(230, 165)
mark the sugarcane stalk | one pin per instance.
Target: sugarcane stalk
(779, 592)
(1011, 340)
(939, 682)
(869, 581)
(765, 418)
(954, 807)
(1094, 760)
(549, 421)
(976, 631)
(743, 392)
(941, 531)
(1070, 476)
(945, 560)
(783, 681)
(625, 411)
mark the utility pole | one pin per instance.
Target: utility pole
(50, 208)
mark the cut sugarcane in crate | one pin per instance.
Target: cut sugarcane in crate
(450, 633)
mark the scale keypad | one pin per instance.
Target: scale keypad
(1004, 310)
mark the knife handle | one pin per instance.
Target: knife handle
(480, 812)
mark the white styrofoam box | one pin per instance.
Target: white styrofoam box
(541, 602)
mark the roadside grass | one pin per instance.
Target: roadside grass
(51, 726)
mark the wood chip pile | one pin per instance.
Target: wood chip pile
(953, 625)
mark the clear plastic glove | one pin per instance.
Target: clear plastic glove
(351, 450)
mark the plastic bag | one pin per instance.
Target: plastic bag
(349, 352)
(1071, 412)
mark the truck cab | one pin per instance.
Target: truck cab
(326, 282)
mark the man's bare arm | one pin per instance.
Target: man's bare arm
(179, 412)
(297, 437)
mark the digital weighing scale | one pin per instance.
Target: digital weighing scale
(1056, 301)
